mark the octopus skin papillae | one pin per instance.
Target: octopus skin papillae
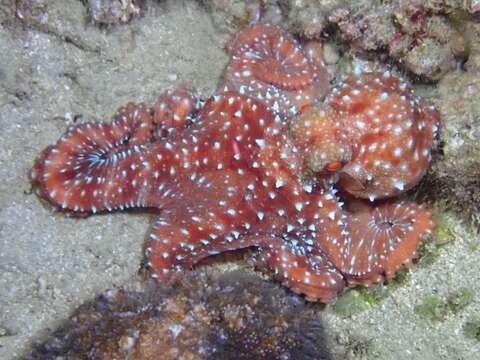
(306, 175)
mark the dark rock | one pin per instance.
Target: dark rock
(228, 316)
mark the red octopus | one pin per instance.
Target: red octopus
(391, 132)
(270, 65)
(233, 175)
(176, 109)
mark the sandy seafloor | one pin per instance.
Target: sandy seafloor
(50, 264)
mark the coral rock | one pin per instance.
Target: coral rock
(231, 316)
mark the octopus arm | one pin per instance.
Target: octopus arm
(270, 65)
(82, 172)
(106, 166)
(175, 110)
(381, 239)
(299, 264)
(211, 214)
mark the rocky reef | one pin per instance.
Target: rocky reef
(220, 316)
(454, 176)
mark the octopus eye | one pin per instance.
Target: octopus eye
(334, 166)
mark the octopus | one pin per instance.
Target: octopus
(269, 64)
(267, 163)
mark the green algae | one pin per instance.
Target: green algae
(350, 303)
(431, 246)
(376, 294)
(432, 308)
(471, 329)
(360, 299)
(437, 309)
(459, 300)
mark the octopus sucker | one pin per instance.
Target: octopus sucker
(75, 174)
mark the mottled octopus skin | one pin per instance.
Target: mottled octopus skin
(382, 238)
(392, 132)
(320, 134)
(269, 64)
(176, 109)
(225, 182)
(297, 260)
(76, 174)
(66, 171)
(375, 242)
(230, 177)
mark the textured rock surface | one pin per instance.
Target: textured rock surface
(111, 12)
(421, 37)
(231, 316)
(455, 176)
(308, 18)
(231, 15)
